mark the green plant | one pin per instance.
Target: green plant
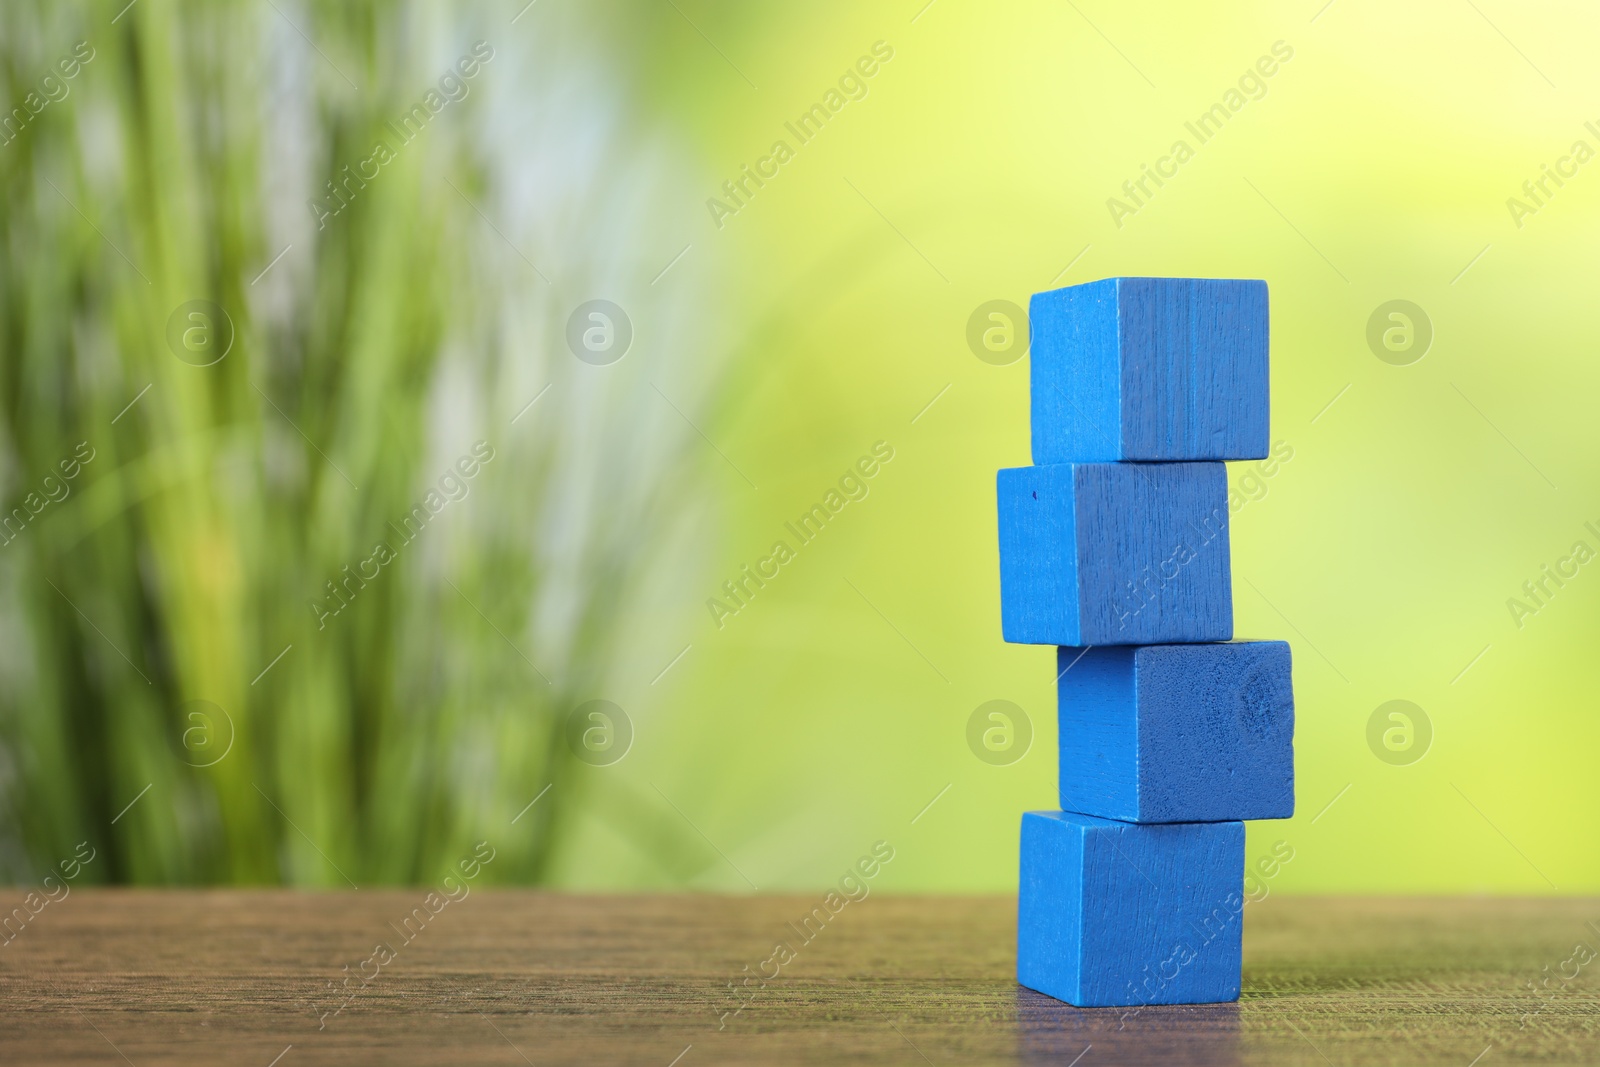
(373, 737)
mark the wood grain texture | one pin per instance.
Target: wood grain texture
(1114, 553)
(1113, 913)
(1160, 369)
(196, 977)
(1177, 733)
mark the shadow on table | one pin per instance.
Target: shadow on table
(1049, 1031)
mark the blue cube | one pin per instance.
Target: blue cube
(1150, 369)
(1114, 553)
(1177, 733)
(1117, 914)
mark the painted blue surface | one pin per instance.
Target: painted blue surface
(1161, 369)
(1114, 553)
(1177, 733)
(1117, 914)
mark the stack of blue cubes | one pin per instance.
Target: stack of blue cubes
(1114, 548)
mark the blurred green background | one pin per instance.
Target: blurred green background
(772, 347)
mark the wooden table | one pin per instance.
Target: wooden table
(252, 978)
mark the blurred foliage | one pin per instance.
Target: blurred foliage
(379, 355)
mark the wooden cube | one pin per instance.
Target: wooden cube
(1160, 369)
(1114, 553)
(1177, 733)
(1117, 914)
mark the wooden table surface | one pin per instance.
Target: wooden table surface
(253, 978)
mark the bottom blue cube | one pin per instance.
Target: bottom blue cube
(1122, 914)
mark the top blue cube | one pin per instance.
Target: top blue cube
(1153, 369)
